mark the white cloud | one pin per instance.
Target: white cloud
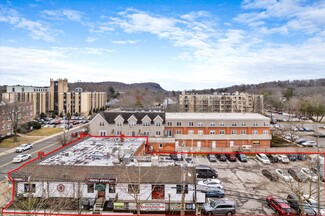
(284, 16)
(124, 42)
(38, 30)
(91, 39)
(64, 14)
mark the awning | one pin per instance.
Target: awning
(100, 187)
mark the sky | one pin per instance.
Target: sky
(180, 44)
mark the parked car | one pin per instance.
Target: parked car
(297, 175)
(273, 158)
(176, 157)
(219, 207)
(321, 174)
(301, 140)
(280, 206)
(203, 185)
(203, 171)
(212, 158)
(292, 157)
(263, 158)
(270, 175)
(283, 158)
(302, 157)
(284, 175)
(21, 158)
(311, 176)
(24, 147)
(309, 143)
(293, 201)
(241, 156)
(314, 205)
(231, 157)
(214, 193)
(221, 157)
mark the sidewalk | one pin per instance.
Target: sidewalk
(41, 140)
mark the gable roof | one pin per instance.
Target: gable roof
(110, 116)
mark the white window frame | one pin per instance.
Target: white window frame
(222, 124)
(254, 132)
(265, 132)
(200, 124)
(191, 124)
(222, 132)
(233, 132)
(178, 132)
(190, 132)
(200, 132)
(212, 124)
(212, 132)
(243, 132)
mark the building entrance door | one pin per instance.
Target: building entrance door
(101, 188)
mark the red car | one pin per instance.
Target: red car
(279, 205)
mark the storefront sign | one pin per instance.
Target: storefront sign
(148, 206)
(176, 206)
(101, 180)
(118, 205)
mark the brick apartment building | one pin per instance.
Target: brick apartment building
(191, 131)
(22, 111)
(224, 102)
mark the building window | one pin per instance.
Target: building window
(190, 124)
(243, 124)
(169, 124)
(212, 124)
(179, 189)
(31, 188)
(90, 188)
(132, 123)
(212, 132)
(158, 192)
(160, 145)
(190, 132)
(133, 188)
(146, 124)
(118, 132)
(158, 124)
(200, 124)
(234, 124)
(168, 133)
(242, 132)
(221, 132)
(233, 132)
(265, 132)
(222, 124)
(178, 123)
(255, 124)
(178, 132)
(111, 188)
(101, 123)
(266, 124)
(157, 133)
(146, 133)
(254, 131)
(200, 132)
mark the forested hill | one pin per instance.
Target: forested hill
(119, 86)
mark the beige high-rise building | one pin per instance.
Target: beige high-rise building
(57, 98)
(224, 102)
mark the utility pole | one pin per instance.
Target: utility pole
(183, 187)
(318, 174)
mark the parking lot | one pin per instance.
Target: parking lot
(245, 183)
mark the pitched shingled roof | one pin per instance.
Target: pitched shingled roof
(122, 174)
(111, 116)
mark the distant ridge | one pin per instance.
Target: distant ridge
(118, 86)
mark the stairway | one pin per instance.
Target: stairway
(99, 205)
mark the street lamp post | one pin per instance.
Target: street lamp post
(169, 193)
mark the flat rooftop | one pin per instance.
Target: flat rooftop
(96, 152)
(215, 116)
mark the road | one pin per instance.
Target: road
(46, 146)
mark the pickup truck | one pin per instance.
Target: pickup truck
(24, 147)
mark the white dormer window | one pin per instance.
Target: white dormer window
(200, 124)
(212, 124)
(255, 124)
(119, 124)
(132, 123)
(146, 124)
(158, 124)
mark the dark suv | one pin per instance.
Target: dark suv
(241, 156)
(293, 201)
(221, 157)
(205, 172)
(273, 158)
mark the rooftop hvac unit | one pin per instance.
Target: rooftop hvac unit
(127, 159)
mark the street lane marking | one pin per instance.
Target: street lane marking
(10, 162)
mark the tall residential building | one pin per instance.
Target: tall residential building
(57, 98)
(224, 102)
